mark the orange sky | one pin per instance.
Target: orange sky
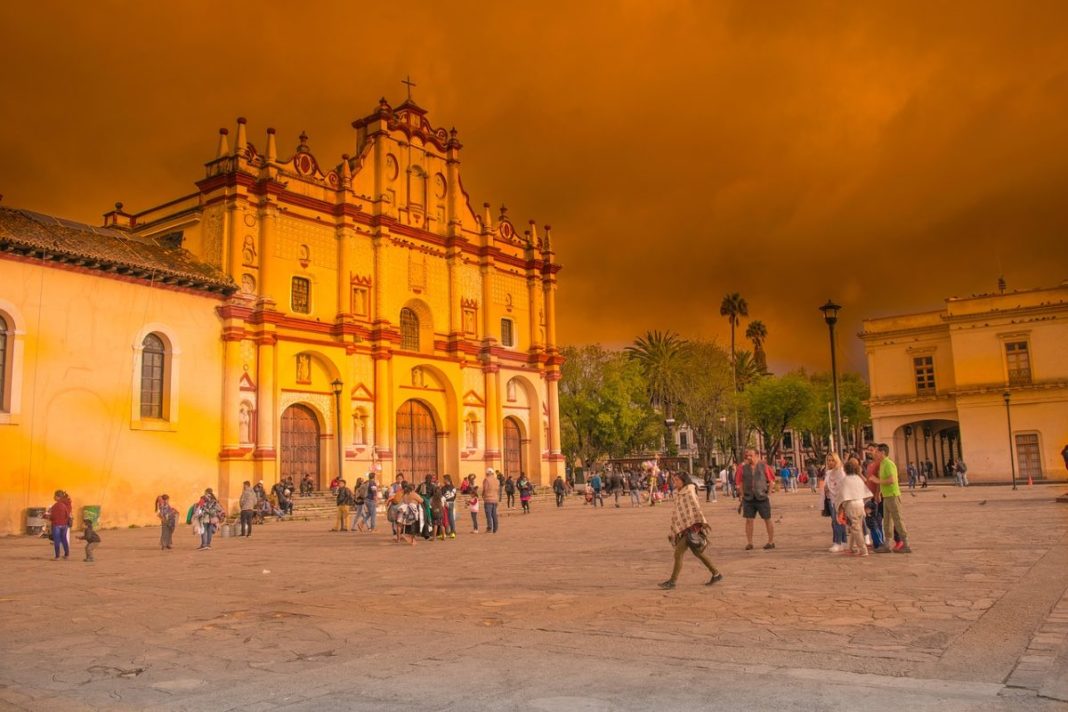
(883, 154)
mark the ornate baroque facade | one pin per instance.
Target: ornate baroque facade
(372, 320)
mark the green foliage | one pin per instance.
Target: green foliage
(661, 357)
(604, 405)
(777, 403)
(707, 397)
(852, 393)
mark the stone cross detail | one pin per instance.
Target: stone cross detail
(409, 83)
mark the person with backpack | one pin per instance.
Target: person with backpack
(509, 491)
(596, 485)
(961, 471)
(754, 480)
(526, 491)
(560, 490)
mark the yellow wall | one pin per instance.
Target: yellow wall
(77, 430)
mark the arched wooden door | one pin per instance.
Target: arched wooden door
(300, 444)
(513, 448)
(417, 441)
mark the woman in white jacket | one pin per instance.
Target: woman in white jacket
(833, 479)
(852, 492)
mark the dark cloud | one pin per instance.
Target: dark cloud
(887, 155)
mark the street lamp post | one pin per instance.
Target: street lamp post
(337, 425)
(1008, 418)
(669, 424)
(830, 315)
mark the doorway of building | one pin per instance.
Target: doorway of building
(417, 441)
(1029, 456)
(300, 451)
(513, 448)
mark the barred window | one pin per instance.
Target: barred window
(507, 332)
(153, 357)
(409, 326)
(923, 366)
(1019, 363)
(301, 295)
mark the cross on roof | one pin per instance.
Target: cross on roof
(408, 81)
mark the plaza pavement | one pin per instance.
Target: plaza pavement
(558, 612)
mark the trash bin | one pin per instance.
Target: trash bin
(35, 520)
(92, 513)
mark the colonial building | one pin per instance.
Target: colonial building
(984, 373)
(291, 315)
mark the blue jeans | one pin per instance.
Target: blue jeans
(206, 535)
(491, 516)
(59, 536)
(372, 513)
(839, 532)
(450, 516)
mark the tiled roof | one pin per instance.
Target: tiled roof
(106, 250)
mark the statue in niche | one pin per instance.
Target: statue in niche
(244, 424)
(418, 377)
(248, 284)
(469, 321)
(359, 428)
(248, 252)
(303, 368)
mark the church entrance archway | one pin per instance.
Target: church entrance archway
(417, 441)
(300, 444)
(513, 448)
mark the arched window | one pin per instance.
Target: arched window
(409, 326)
(153, 357)
(4, 361)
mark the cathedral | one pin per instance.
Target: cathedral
(293, 315)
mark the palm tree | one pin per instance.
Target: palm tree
(746, 370)
(660, 357)
(757, 332)
(734, 306)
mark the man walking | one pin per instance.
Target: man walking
(891, 493)
(615, 483)
(710, 484)
(370, 501)
(597, 484)
(753, 480)
(961, 471)
(247, 504)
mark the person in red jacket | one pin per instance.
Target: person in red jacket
(60, 515)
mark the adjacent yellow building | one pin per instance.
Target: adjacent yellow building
(955, 382)
(292, 315)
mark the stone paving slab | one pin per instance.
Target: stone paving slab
(557, 611)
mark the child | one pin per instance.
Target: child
(168, 518)
(91, 539)
(437, 513)
(472, 506)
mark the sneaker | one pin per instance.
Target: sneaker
(884, 549)
(714, 579)
(835, 548)
(769, 546)
(903, 549)
(669, 584)
(867, 539)
(453, 535)
(748, 547)
(475, 531)
(899, 545)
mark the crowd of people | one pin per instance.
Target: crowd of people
(861, 496)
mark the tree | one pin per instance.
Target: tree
(778, 403)
(707, 397)
(661, 357)
(852, 393)
(757, 332)
(734, 306)
(604, 409)
(746, 370)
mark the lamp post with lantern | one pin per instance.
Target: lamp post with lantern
(1008, 418)
(830, 315)
(337, 384)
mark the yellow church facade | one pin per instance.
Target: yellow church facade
(985, 379)
(315, 318)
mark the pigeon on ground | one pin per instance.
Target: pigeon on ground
(943, 495)
(982, 503)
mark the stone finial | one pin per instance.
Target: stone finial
(118, 207)
(303, 147)
(224, 144)
(242, 136)
(272, 146)
(504, 212)
(487, 219)
(547, 243)
(346, 171)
